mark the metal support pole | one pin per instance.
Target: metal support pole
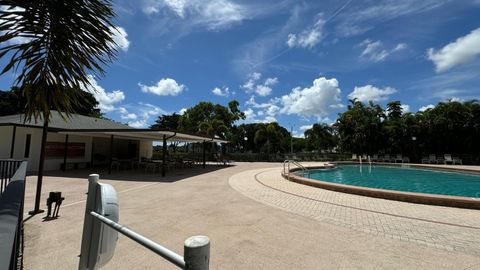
(204, 156)
(36, 209)
(91, 155)
(65, 153)
(196, 253)
(164, 156)
(110, 155)
(12, 147)
(85, 250)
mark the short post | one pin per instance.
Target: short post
(197, 253)
(85, 262)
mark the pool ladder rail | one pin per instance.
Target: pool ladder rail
(286, 167)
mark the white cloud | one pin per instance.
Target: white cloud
(124, 114)
(405, 108)
(371, 93)
(315, 101)
(252, 84)
(214, 14)
(271, 81)
(463, 50)
(106, 100)
(251, 102)
(249, 114)
(263, 90)
(219, 92)
(182, 111)
(361, 16)
(138, 123)
(375, 51)
(307, 38)
(305, 127)
(164, 87)
(120, 38)
(142, 115)
(424, 108)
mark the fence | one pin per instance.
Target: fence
(98, 244)
(12, 173)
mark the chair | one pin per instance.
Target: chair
(432, 158)
(354, 157)
(386, 158)
(374, 158)
(457, 160)
(425, 160)
(399, 158)
(447, 159)
(151, 166)
(115, 164)
(406, 159)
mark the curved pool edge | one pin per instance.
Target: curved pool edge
(411, 197)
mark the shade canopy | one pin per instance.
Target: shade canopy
(143, 134)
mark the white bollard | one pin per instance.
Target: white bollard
(197, 253)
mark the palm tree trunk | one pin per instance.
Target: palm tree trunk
(36, 209)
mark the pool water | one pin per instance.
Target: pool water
(402, 179)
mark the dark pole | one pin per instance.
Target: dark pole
(91, 154)
(65, 153)
(110, 155)
(36, 209)
(204, 157)
(164, 155)
(12, 147)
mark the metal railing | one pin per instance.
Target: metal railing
(286, 166)
(13, 173)
(8, 167)
(196, 248)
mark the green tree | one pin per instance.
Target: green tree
(269, 137)
(167, 121)
(359, 127)
(320, 136)
(206, 117)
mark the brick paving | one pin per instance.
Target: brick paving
(446, 228)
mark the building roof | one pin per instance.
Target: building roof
(89, 126)
(75, 121)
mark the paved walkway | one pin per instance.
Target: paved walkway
(441, 227)
(245, 233)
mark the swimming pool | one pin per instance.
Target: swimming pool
(402, 179)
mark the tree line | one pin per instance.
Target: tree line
(364, 128)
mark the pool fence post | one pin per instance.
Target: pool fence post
(196, 253)
(87, 235)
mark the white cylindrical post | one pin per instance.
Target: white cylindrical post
(88, 222)
(197, 252)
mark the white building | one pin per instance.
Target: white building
(91, 141)
(22, 140)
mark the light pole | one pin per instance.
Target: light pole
(291, 138)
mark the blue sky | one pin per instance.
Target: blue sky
(295, 62)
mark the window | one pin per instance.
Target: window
(27, 145)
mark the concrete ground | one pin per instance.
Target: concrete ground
(247, 231)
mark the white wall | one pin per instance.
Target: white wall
(35, 143)
(5, 141)
(146, 149)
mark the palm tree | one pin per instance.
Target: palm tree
(53, 45)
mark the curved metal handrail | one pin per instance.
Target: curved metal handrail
(286, 164)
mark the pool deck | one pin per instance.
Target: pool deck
(256, 220)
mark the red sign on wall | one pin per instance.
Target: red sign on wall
(57, 150)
